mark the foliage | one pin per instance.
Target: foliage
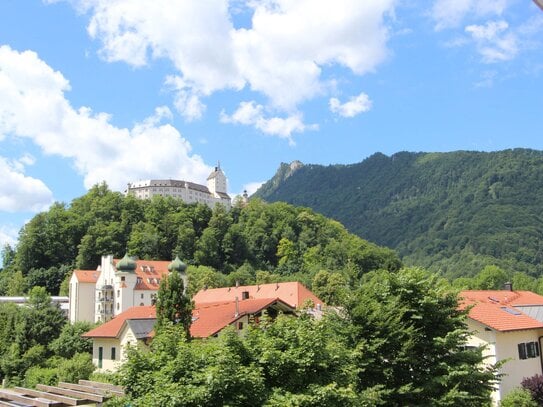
(78, 367)
(518, 398)
(172, 305)
(70, 341)
(246, 241)
(409, 333)
(534, 385)
(399, 341)
(450, 212)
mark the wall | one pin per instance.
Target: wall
(107, 363)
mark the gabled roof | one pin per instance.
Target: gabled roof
(150, 272)
(87, 276)
(502, 310)
(294, 294)
(113, 328)
(209, 319)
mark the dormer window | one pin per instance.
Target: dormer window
(245, 295)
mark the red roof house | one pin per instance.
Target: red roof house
(509, 325)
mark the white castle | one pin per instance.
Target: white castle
(189, 192)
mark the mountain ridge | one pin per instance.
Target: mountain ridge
(452, 212)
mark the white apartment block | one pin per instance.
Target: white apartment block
(117, 285)
(189, 192)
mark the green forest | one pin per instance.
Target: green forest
(453, 213)
(397, 338)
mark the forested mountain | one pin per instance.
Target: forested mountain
(451, 212)
(256, 242)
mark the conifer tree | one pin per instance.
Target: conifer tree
(172, 305)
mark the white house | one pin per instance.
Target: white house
(510, 325)
(214, 310)
(116, 285)
(190, 192)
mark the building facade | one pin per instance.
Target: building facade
(215, 192)
(117, 285)
(509, 325)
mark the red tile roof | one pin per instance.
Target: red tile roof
(87, 276)
(208, 319)
(112, 328)
(498, 309)
(293, 293)
(150, 272)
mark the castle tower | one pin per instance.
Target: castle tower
(216, 182)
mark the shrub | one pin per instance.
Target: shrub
(534, 385)
(518, 398)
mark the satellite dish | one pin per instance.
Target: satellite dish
(539, 3)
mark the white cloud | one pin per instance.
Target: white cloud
(281, 54)
(251, 114)
(452, 13)
(8, 235)
(355, 105)
(251, 187)
(19, 192)
(494, 42)
(33, 106)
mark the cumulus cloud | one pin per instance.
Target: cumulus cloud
(281, 54)
(355, 105)
(34, 106)
(19, 192)
(452, 13)
(494, 42)
(250, 113)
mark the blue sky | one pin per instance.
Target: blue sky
(123, 90)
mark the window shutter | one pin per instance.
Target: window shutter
(522, 351)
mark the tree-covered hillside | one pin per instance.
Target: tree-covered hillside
(450, 212)
(254, 242)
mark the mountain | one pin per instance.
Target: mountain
(450, 212)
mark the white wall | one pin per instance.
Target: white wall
(504, 346)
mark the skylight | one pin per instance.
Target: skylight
(511, 311)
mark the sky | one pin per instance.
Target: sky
(127, 90)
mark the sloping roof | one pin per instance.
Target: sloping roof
(292, 293)
(208, 319)
(502, 310)
(87, 276)
(112, 328)
(150, 272)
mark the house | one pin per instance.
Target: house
(116, 285)
(293, 293)
(136, 325)
(190, 192)
(510, 326)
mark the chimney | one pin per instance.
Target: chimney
(237, 308)
(508, 286)
(237, 283)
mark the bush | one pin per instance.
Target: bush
(79, 367)
(534, 385)
(518, 398)
(41, 375)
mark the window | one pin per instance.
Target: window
(118, 293)
(113, 353)
(528, 350)
(240, 325)
(118, 305)
(141, 296)
(245, 295)
(122, 278)
(100, 356)
(532, 349)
